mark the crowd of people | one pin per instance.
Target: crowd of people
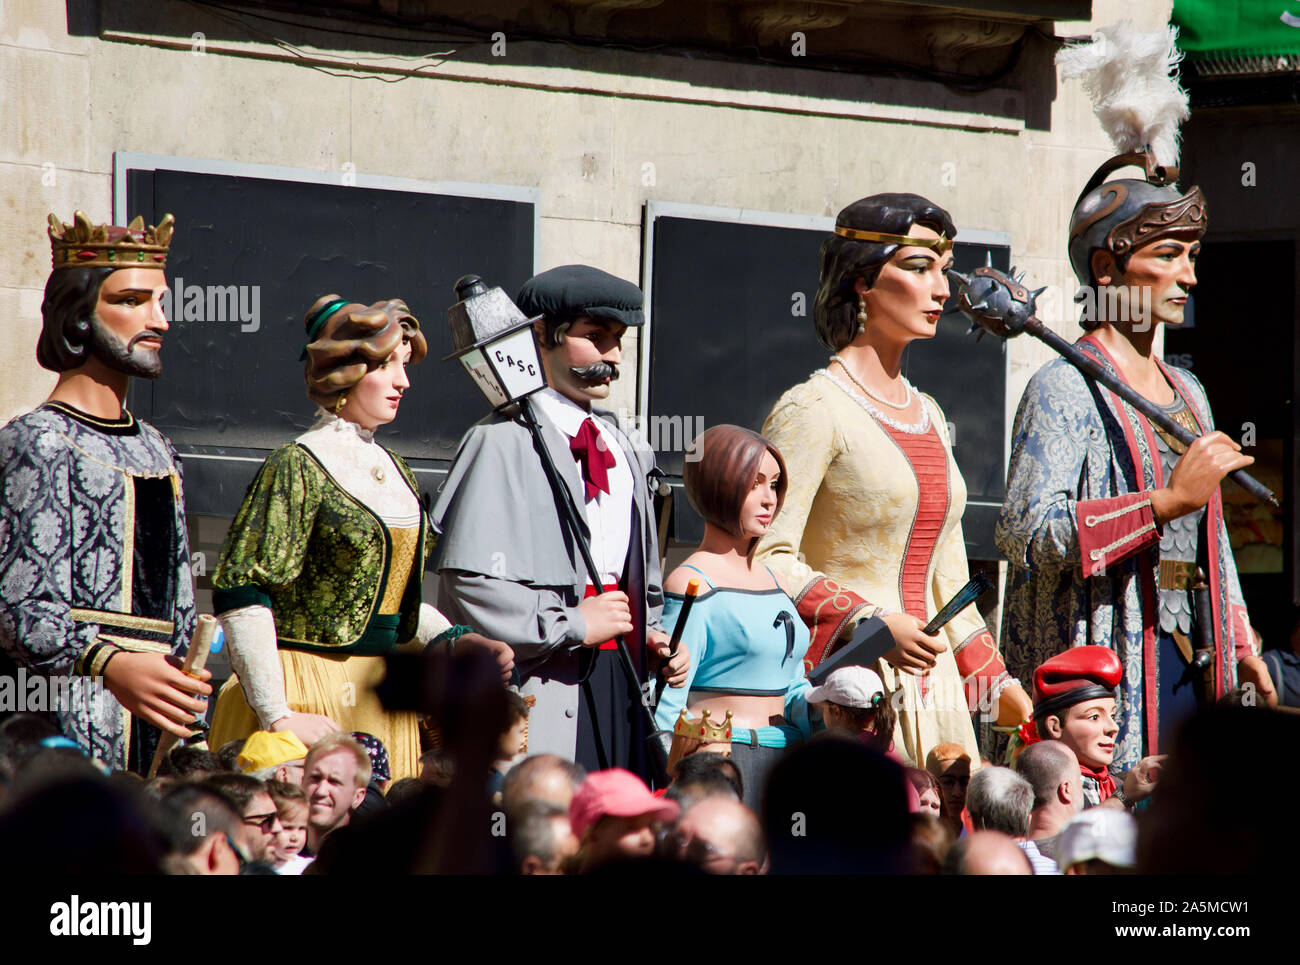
(268, 805)
(787, 698)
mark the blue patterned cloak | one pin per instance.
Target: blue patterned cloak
(1083, 545)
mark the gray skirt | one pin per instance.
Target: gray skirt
(755, 763)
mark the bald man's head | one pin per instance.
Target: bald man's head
(724, 836)
(987, 853)
(1052, 770)
(1046, 765)
(546, 778)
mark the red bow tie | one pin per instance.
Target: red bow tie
(596, 460)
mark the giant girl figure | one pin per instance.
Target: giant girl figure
(872, 517)
(746, 637)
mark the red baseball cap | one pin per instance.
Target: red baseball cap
(618, 793)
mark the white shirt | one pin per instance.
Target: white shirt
(609, 515)
(293, 866)
(1041, 863)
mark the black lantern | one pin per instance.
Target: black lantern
(494, 341)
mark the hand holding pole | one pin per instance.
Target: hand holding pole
(195, 658)
(692, 591)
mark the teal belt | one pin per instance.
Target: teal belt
(780, 736)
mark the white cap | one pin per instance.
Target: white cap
(1109, 834)
(848, 687)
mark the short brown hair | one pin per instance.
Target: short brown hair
(339, 741)
(283, 793)
(924, 781)
(353, 340)
(240, 788)
(719, 477)
(516, 708)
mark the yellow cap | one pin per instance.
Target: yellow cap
(266, 748)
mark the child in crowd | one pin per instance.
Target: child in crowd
(613, 815)
(291, 806)
(514, 742)
(853, 701)
(929, 793)
(951, 767)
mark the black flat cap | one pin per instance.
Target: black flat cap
(581, 290)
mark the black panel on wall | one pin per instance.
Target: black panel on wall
(1249, 373)
(726, 342)
(232, 384)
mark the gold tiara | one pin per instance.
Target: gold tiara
(939, 246)
(85, 245)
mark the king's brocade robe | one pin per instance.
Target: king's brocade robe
(93, 551)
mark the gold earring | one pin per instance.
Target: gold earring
(862, 314)
(342, 401)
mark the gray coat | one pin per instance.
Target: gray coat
(507, 568)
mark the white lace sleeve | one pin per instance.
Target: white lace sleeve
(250, 635)
(432, 623)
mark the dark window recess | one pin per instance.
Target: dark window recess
(232, 385)
(1241, 343)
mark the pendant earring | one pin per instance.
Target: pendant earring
(342, 401)
(862, 314)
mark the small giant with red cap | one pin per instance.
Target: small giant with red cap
(1076, 675)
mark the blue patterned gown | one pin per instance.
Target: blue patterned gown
(1083, 546)
(93, 549)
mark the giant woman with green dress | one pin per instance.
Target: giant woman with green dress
(320, 575)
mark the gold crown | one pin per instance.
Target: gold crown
(703, 729)
(84, 245)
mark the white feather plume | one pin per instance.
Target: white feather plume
(1128, 76)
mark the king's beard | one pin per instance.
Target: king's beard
(138, 362)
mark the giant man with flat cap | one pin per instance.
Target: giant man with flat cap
(507, 566)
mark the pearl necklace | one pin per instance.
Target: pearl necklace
(912, 428)
(907, 387)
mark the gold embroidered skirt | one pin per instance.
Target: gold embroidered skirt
(341, 688)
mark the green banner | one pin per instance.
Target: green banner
(1215, 28)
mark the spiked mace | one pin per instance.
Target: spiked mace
(1000, 304)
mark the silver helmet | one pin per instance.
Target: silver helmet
(1124, 215)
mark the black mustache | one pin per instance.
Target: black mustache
(596, 372)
